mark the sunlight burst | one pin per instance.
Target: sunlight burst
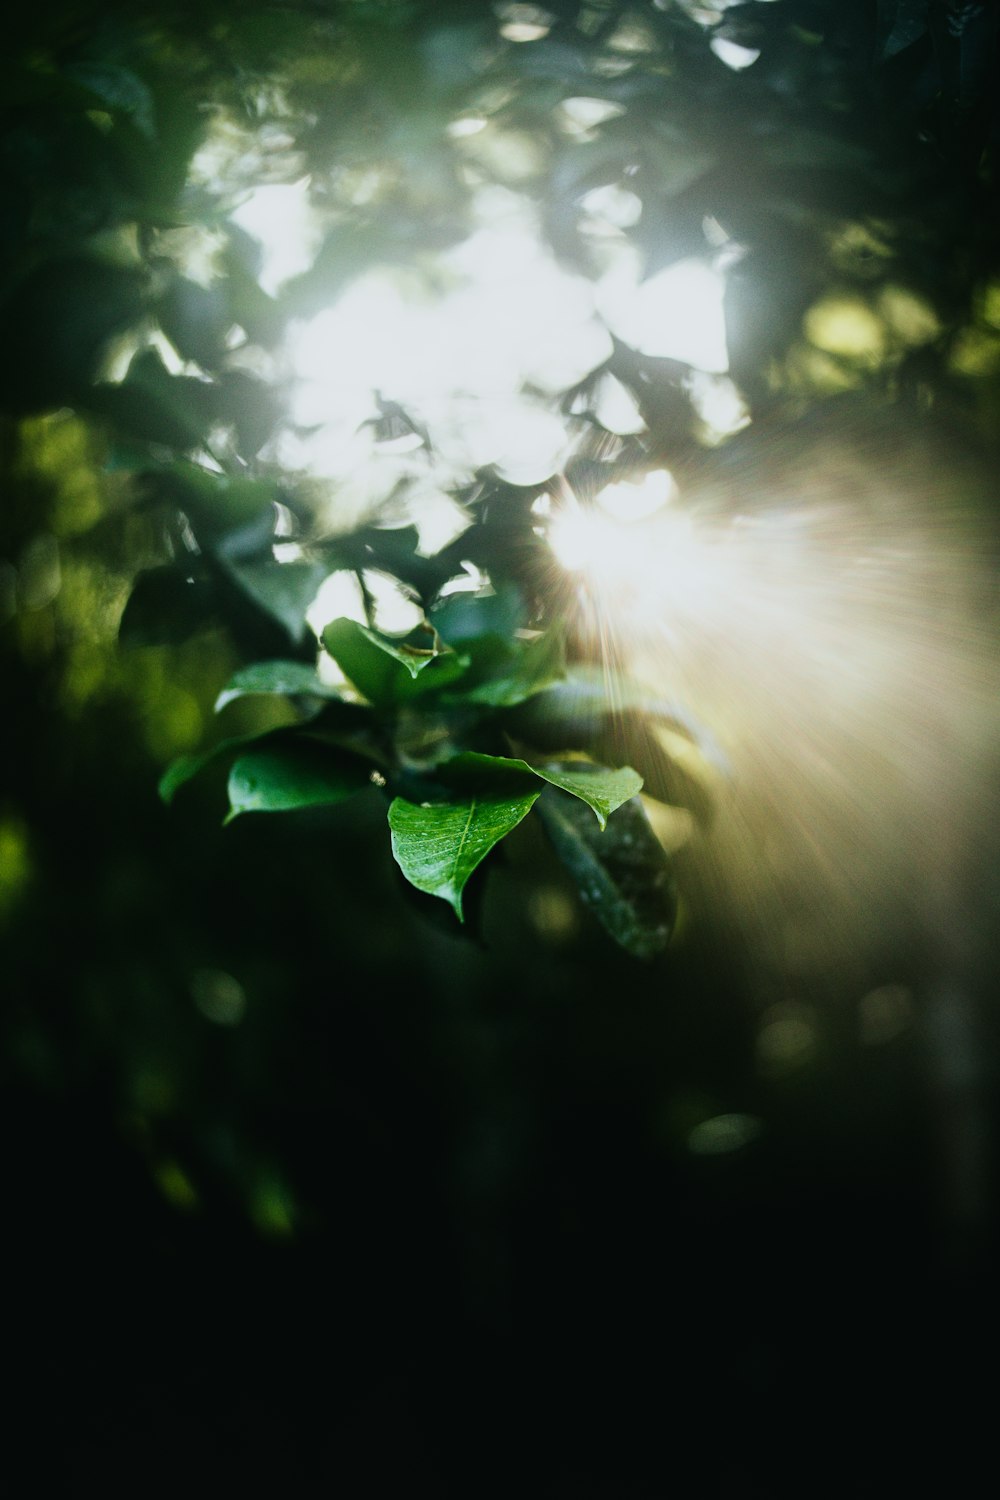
(842, 660)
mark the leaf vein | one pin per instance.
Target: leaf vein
(462, 839)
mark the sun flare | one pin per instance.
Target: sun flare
(841, 655)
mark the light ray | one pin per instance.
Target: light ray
(845, 661)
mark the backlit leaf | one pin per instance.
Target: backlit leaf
(602, 789)
(384, 670)
(284, 678)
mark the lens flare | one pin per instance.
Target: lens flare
(837, 633)
(642, 563)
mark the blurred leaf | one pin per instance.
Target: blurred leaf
(395, 549)
(549, 58)
(256, 312)
(573, 712)
(504, 671)
(814, 149)
(160, 174)
(505, 668)
(347, 252)
(674, 159)
(462, 618)
(167, 605)
(289, 679)
(900, 24)
(251, 406)
(283, 779)
(155, 406)
(196, 320)
(284, 590)
(118, 89)
(222, 509)
(675, 769)
(622, 873)
(55, 325)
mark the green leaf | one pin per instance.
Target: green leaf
(287, 679)
(394, 550)
(384, 670)
(186, 767)
(527, 669)
(505, 668)
(285, 778)
(580, 709)
(472, 768)
(675, 158)
(462, 618)
(438, 845)
(588, 694)
(250, 306)
(602, 789)
(900, 24)
(623, 873)
(674, 769)
(347, 251)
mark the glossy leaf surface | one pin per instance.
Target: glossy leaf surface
(602, 789)
(438, 845)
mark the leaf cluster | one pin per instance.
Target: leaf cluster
(130, 293)
(462, 731)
